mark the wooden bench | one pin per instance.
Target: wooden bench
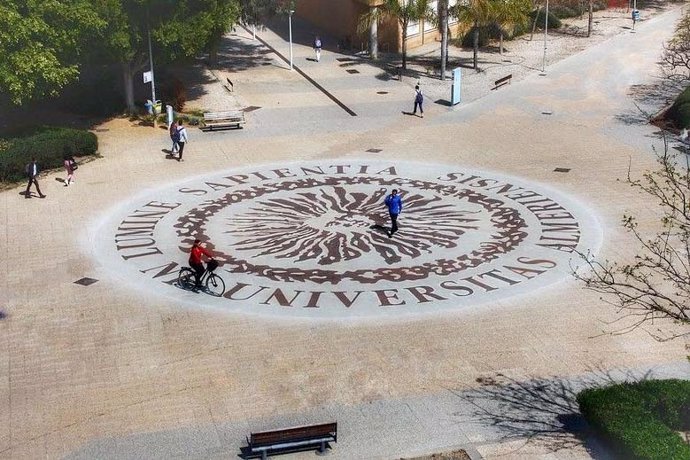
(222, 120)
(503, 81)
(286, 440)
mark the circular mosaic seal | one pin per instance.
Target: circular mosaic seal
(313, 239)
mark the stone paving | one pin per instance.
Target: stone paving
(123, 369)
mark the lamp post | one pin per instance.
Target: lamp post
(290, 29)
(546, 33)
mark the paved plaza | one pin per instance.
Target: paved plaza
(416, 343)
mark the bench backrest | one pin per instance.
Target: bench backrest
(506, 78)
(299, 433)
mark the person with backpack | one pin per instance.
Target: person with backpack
(317, 48)
(32, 171)
(181, 138)
(174, 137)
(418, 101)
(70, 166)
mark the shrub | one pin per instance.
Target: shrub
(640, 420)
(468, 38)
(679, 112)
(554, 22)
(173, 92)
(48, 145)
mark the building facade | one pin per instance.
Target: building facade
(340, 18)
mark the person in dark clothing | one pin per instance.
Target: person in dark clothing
(418, 101)
(395, 205)
(32, 171)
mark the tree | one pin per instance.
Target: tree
(255, 12)
(478, 13)
(403, 11)
(676, 56)
(178, 30)
(656, 283)
(41, 43)
(508, 13)
(443, 24)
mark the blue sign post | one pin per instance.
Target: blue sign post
(455, 89)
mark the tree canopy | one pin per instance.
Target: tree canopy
(41, 44)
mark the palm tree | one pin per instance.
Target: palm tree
(508, 13)
(479, 13)
(403, 11)
(443, 24)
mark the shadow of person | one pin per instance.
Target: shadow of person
(380, 229)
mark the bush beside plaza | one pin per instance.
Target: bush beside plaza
(679, 112)
(48, 145)
(641, 420)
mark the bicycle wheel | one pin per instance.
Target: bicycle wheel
(215, 285)
(186, 278)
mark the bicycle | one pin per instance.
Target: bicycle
(214, 283)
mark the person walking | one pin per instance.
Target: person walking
(174, 137)
(182, 138)
(395, 205)
(32, 171)
(317, 48)
(70, 166)
(418, 101)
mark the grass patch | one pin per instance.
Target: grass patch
(641, 420)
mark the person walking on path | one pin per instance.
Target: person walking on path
(418, 101)
(32, 171)
(174, 137)
(70, 166)
(317, 48)
(182, 138)
(395, 205)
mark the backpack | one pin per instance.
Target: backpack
(419, 98)
(176, 135)
(317, 43)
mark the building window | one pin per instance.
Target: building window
(413, 28)
(429, 25)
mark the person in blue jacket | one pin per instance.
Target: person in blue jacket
(395, 205)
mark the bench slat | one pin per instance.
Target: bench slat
(288, 445)
(296, 434)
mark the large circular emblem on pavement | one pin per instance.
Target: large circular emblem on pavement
(314, 239)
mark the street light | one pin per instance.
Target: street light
(290, 27)
(546, 32)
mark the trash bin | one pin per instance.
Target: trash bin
(148, 105)
(158, 107)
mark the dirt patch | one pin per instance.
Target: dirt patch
(455, 455)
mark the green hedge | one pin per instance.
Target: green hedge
(679, 113)
(641, 419)
(48, 145)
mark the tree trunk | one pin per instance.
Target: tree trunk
(589, 20)
(475, 45)
(534, 24)
(374, 36)
(128, 80)
(444, 38)
(404, 46)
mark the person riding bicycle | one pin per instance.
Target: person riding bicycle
(195, 256)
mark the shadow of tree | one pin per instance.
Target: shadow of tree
(543, 411)
(661, 93)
